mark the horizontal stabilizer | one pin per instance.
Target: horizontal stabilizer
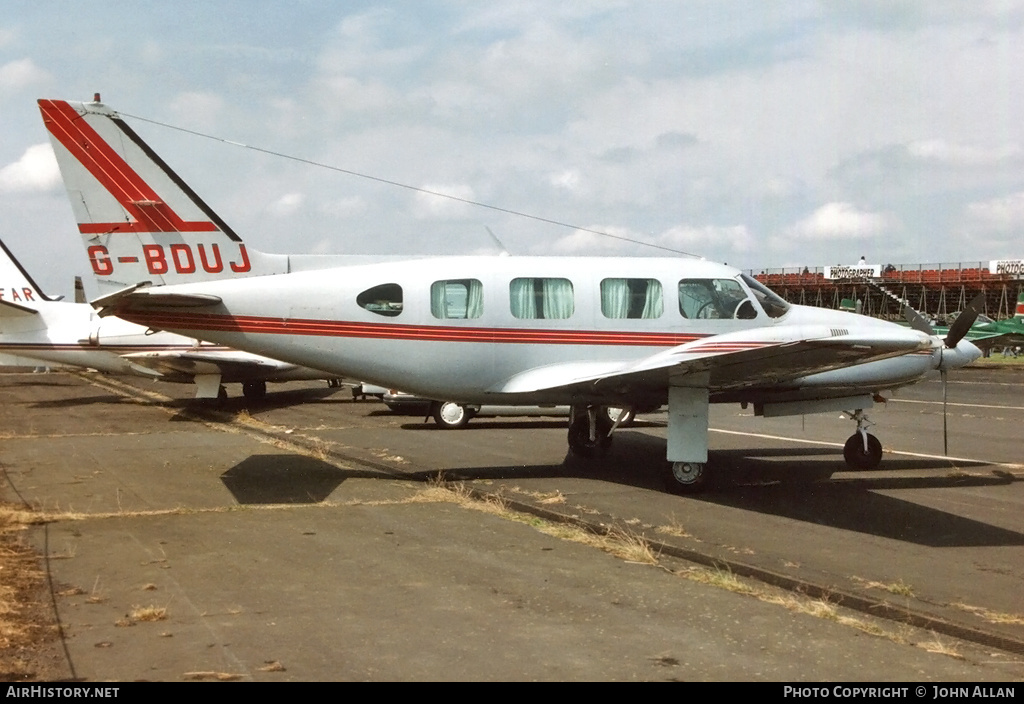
(139, 297)
(9, 309)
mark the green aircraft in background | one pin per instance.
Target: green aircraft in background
(986, 333)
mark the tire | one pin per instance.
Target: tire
(686, 477)
(580, 443)
(451, 415)
(856, 458)
(254, 390)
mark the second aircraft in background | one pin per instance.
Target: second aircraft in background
(38, 330)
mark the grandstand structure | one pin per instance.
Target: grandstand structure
(935, 290)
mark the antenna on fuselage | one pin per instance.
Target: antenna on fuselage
(504, 252)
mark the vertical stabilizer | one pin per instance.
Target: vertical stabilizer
(1019, 315)
(138, 219)
(16, 286)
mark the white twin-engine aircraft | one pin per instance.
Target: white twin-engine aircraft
(587, 332)
(38, 330)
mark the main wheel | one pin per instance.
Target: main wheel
(686, 477)
(580, 442)
(855, 455)
(254, 390)
(613, 415)
(449, 414)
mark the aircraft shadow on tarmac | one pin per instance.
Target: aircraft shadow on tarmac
(45, 380)
(106, 400)
(754, 480)
(286, 479)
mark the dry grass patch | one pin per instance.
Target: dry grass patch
(619, 543)
(541, 497)
(899, 587)
(148, 613)
(214, 676)
(818, 608)
(992, 616)
(24, 621)
(675, 529)
(940, 647)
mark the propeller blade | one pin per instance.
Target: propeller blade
(917, 321)
(945, 435)
(965, 320)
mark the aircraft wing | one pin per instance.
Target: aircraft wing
(230, 364)
(1002, 335)
(746, 359)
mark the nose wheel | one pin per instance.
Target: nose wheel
(862, 450)
(686, 477)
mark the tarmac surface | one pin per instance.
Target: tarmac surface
(308, 538)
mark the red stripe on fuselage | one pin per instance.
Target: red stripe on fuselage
(130, 190)
(329, 328)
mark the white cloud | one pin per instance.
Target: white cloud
(345, 207)
(22, 73)
(702, 240)
(286, 204)
(586, 243)
(998, 214)
(567, 180)
(834, 221)
(36, 170)
(943, 152)
(197, 110)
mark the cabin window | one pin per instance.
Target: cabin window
(458, 298)
(541, 298)
(632, 298)
(702, 299)
(385, 299)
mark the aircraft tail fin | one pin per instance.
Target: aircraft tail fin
(17, 289)
(139, 220)
(1019, 315)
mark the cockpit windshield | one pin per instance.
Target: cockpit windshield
(773, 304)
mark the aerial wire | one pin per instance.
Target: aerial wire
(406, 186)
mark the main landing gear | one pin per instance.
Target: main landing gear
(589, 431)
(254, 390)
(686, 468)
(862, 450)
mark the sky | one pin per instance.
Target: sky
(762, 134)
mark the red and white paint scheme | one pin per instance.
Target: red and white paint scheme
(586, 332)
(36, 330)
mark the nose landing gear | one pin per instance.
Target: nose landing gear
(862, 450)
